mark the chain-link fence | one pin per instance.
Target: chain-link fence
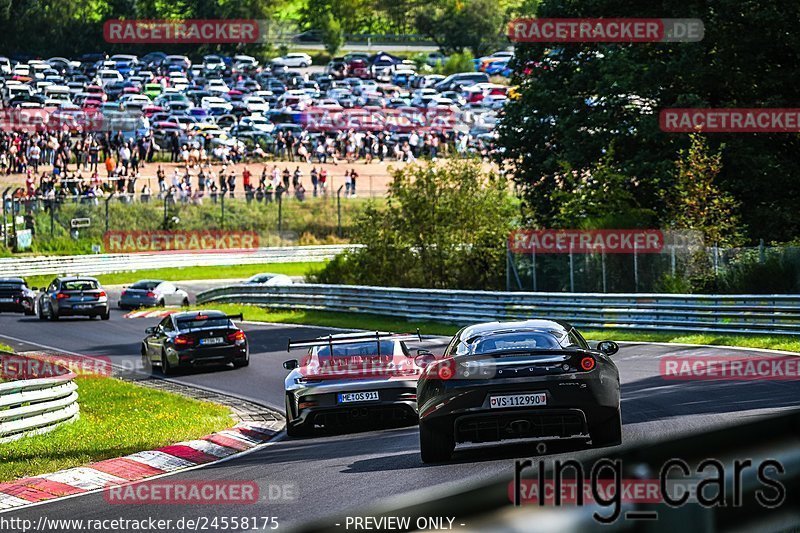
(76, 224)
(676, 269)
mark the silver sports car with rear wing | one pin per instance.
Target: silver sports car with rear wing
(350, 381)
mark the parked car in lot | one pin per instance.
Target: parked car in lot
(536, 379)
(16, 296)
(152, 293)
(293, 60)
(195, 338)
(73, 296)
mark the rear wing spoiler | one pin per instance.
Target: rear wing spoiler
(332, 341)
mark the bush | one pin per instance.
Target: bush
(443, 227)
(459, 63)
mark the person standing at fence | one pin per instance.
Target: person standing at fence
(34, 152)
(353, 178)
(347, 183)
(162, 187)
(286, 177)
(232, 184)
(314, 180)
(323, 181)
(94, 150)
(111, 165)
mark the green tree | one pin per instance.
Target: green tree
(444, 226)
(696, 201)
(577, 99)
(332, 34)
(458, 25)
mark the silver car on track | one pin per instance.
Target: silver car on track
(351, 381)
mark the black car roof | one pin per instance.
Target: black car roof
(12, 280)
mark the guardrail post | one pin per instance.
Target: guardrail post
(635, 268)
(533, 266)
(603, 267)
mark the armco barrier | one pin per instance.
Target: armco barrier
(107, 263)
(31, 406)
(767, 314)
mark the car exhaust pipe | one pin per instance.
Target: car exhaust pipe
(520, 426)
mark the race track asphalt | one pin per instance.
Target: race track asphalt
(335, 474)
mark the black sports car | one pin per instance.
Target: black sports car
(195, 338)
(536, 379)
(15, 296)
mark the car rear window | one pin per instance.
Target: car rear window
(11, 285)
(145, 285)
(527, 340)
(199, 323)
(346, 352)
(79, 285)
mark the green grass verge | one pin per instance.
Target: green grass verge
(117, 418)
(193, 273)
(386, 323)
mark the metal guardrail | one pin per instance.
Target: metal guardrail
(32, 406)
(736, 314)
(107, 263)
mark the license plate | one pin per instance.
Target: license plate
(82, 306)
(6, 300)
(212, 340)
(518, 400)
(347, 397)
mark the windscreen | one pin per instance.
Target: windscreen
(355, 353)
(145, 285)
(205, 322)
(79, 285)
(522, 341)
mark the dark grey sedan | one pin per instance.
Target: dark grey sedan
(73, 296)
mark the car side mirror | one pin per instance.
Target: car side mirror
(151, 330)
(608, 347)
(291, 364)
(34, 288)
(424, 358)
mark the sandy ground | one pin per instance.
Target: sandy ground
(373, 178)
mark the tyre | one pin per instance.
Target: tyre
(185, 302)
(147, 364)
(40, 313)
(435, 446)
(241, 362)
(607, 433)
(160, 303)
(105, 316)
(51, 314)
(291, 429)
(166, 368)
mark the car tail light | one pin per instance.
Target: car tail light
(150, 294)
(123, 292)
(184, 340)
(101, 294)
(236, 336)
(588, 363)
(305, 405)
(62, 296)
